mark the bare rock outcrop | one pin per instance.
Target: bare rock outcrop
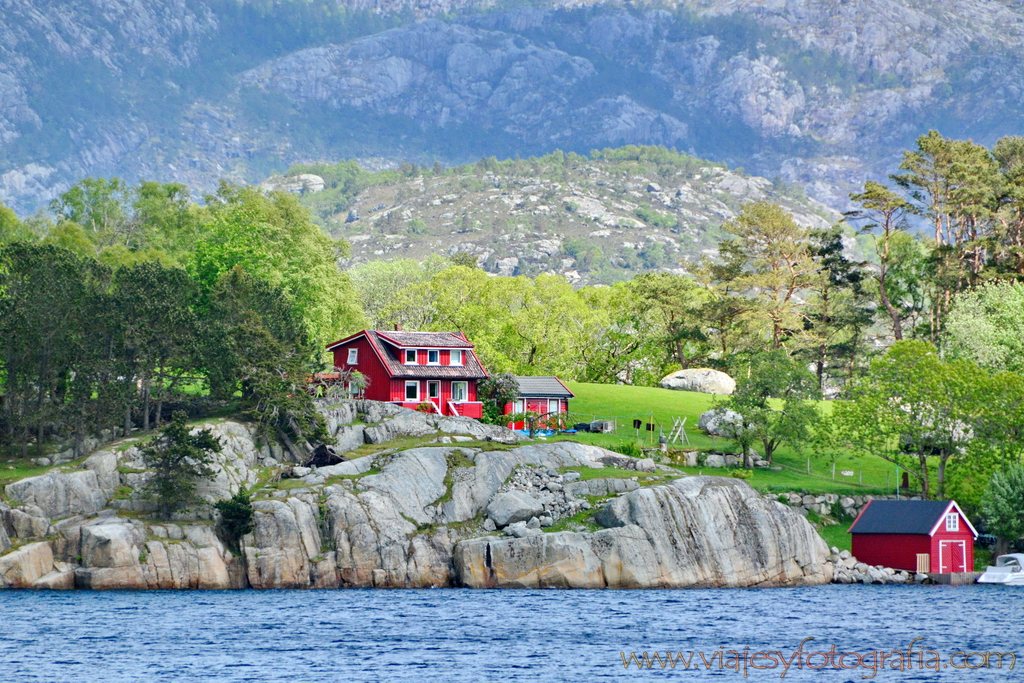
(60, 494)
(696, 532)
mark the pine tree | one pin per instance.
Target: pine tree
(179, 459)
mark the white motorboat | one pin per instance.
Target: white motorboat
(1009, 571)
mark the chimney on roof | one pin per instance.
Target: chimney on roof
(398, 327)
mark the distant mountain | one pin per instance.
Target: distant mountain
(821, 93)
(594, 220)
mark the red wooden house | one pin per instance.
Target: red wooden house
(415, 368)
(541, 395)
(916, 535)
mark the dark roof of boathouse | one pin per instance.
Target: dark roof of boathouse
(903, 516)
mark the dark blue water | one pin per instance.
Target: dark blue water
(464, 635)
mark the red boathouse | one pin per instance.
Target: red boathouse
(439, 369)
(915, 535)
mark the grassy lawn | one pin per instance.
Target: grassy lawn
(835, 535)
(661, 406)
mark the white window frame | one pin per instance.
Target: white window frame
(457, 353)
(413, 383)
(554, 405)
(952, 522)
(436, 353)
(353, 356)
(465, 392)
(415, 356)
(433, 384)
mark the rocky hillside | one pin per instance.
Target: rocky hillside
(819, 92)
(410, 509)
(593, 220)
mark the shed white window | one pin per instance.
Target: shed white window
(459, 391)
(410, 356)
(456, 358)
(952, 522)
(554, 405)
(353, 356)
(412, 391)
(433, 357)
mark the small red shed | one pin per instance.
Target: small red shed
(436, 369)
(915, 535)
(541, 395)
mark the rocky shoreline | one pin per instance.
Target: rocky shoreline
(464, 505)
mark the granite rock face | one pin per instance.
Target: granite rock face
(409, 518)
(60, 494)
(696, 532)
(703, 380)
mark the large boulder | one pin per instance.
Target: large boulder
(21, 568)
(24, 521)
(61, 494)
(695, 532)
(703, 380)
(720, 422)
(513, 506)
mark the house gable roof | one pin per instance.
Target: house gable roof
(905, 517)
(388, 351)
(543, 387)
(425, 340)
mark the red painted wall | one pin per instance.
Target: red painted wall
(963, 535)
(385, 388)
(899, 551)
(369, 365)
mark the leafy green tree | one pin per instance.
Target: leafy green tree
(912, 408)
(272, 237)
(997, 438)
(236, 518)
(776, 265)
(521, 325)
(99, 207)
(496, 392)
(677, 302)
(257, 348)
(883, 214)
(179, 459)
(986, 325)
(12, 229)
(379, 282)
(837, 312)
(776, 399)
(625, 345)
(161, 331)
(1001, 506)
(43, 291)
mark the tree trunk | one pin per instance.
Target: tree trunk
(821, 366)
(127, 422)
(145, 407)
(894, 315)
(39, 439)
(1002, 546)
(940, 476)
(159, 411)
(925, 484)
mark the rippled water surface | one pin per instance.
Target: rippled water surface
(464, 635)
